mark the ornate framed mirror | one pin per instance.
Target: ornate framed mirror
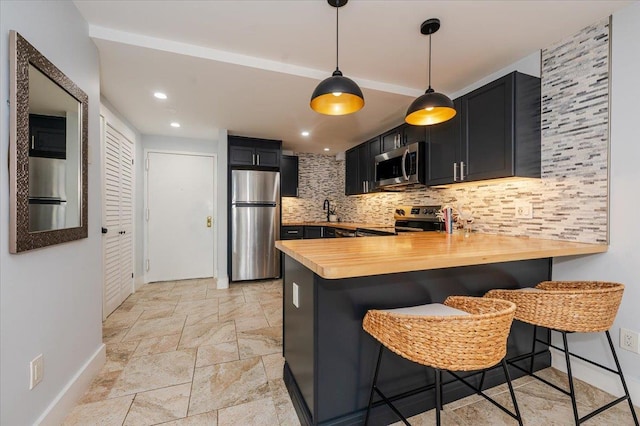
(47, 152)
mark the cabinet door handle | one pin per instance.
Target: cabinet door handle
(292, 232)
(258, 158)
(253, 159)
(455, 172)
(33, 142)
(461, 171)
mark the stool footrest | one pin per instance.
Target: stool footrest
(487, 397)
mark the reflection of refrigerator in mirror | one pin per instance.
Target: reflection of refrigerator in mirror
(47, 173)
(47, 194)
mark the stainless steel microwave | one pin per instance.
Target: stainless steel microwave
(401, 168)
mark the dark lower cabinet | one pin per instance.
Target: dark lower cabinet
(289, 232)
(289, 176)
(330, 359)
(314, 232)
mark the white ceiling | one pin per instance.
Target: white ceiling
(251, 66)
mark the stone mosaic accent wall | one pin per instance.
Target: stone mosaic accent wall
(570, 201)
(320, 177)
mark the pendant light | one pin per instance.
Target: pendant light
(337, 95)
(432, 107)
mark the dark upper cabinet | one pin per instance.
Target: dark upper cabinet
(412, 134)
(402, 135)
(352, 174)
(289, 176)
(495, 134)
(444, 150)
(359, 173)
(253, 152)
(391, 139)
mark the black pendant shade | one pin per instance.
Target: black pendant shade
(432, 107)
(337, 95)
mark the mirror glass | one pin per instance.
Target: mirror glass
(48, 152)
(54, 155)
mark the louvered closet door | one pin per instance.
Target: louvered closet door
(118, 218)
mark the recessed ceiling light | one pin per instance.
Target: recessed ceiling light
(305, 133)
(175, 124)
(160, 95)
(327, 149)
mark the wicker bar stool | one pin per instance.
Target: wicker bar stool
(464, 334)
(568, 307)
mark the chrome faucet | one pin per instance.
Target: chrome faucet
(326, 207)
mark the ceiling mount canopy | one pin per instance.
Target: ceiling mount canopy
(337, 95)
(432, 107)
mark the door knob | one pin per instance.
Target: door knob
(209, 221)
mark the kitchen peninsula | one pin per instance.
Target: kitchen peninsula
(330, 284)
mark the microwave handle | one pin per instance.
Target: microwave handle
(404, 168)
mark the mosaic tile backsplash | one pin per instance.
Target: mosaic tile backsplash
(570, 201)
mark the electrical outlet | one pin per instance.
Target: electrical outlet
(629, 340)
(36, 367)
(524, 211)
(296, 298)
(289, 209)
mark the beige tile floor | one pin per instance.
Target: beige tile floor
(185, 353)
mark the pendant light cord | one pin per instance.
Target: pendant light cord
(429, 61)
(337, 35)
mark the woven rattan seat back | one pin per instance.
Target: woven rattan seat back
(578, 306)
(454, 343)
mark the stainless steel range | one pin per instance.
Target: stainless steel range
(417, 219)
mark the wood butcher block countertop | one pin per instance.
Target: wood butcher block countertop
(357, 257)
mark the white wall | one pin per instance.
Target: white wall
(50, 298)
(622, 260)
(218, 146)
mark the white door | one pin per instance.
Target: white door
(180, 222)
(117, 207)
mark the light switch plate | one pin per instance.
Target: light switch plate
(296, 299)
(36, 368)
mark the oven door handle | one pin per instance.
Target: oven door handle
(404, 168)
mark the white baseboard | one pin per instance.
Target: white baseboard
(597, 377)
(74, 390)
(223, 282)
(139, 282)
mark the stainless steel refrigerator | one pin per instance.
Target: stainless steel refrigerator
(255, 224)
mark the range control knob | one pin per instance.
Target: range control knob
(400, 212)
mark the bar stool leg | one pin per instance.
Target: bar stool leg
(533, 348)
(438, 394)
(572, 392)
(373, 385)
(624, 384)
(513, 394)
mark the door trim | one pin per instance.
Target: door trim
(145, 243)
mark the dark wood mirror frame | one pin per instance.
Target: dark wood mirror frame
(23, 54)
